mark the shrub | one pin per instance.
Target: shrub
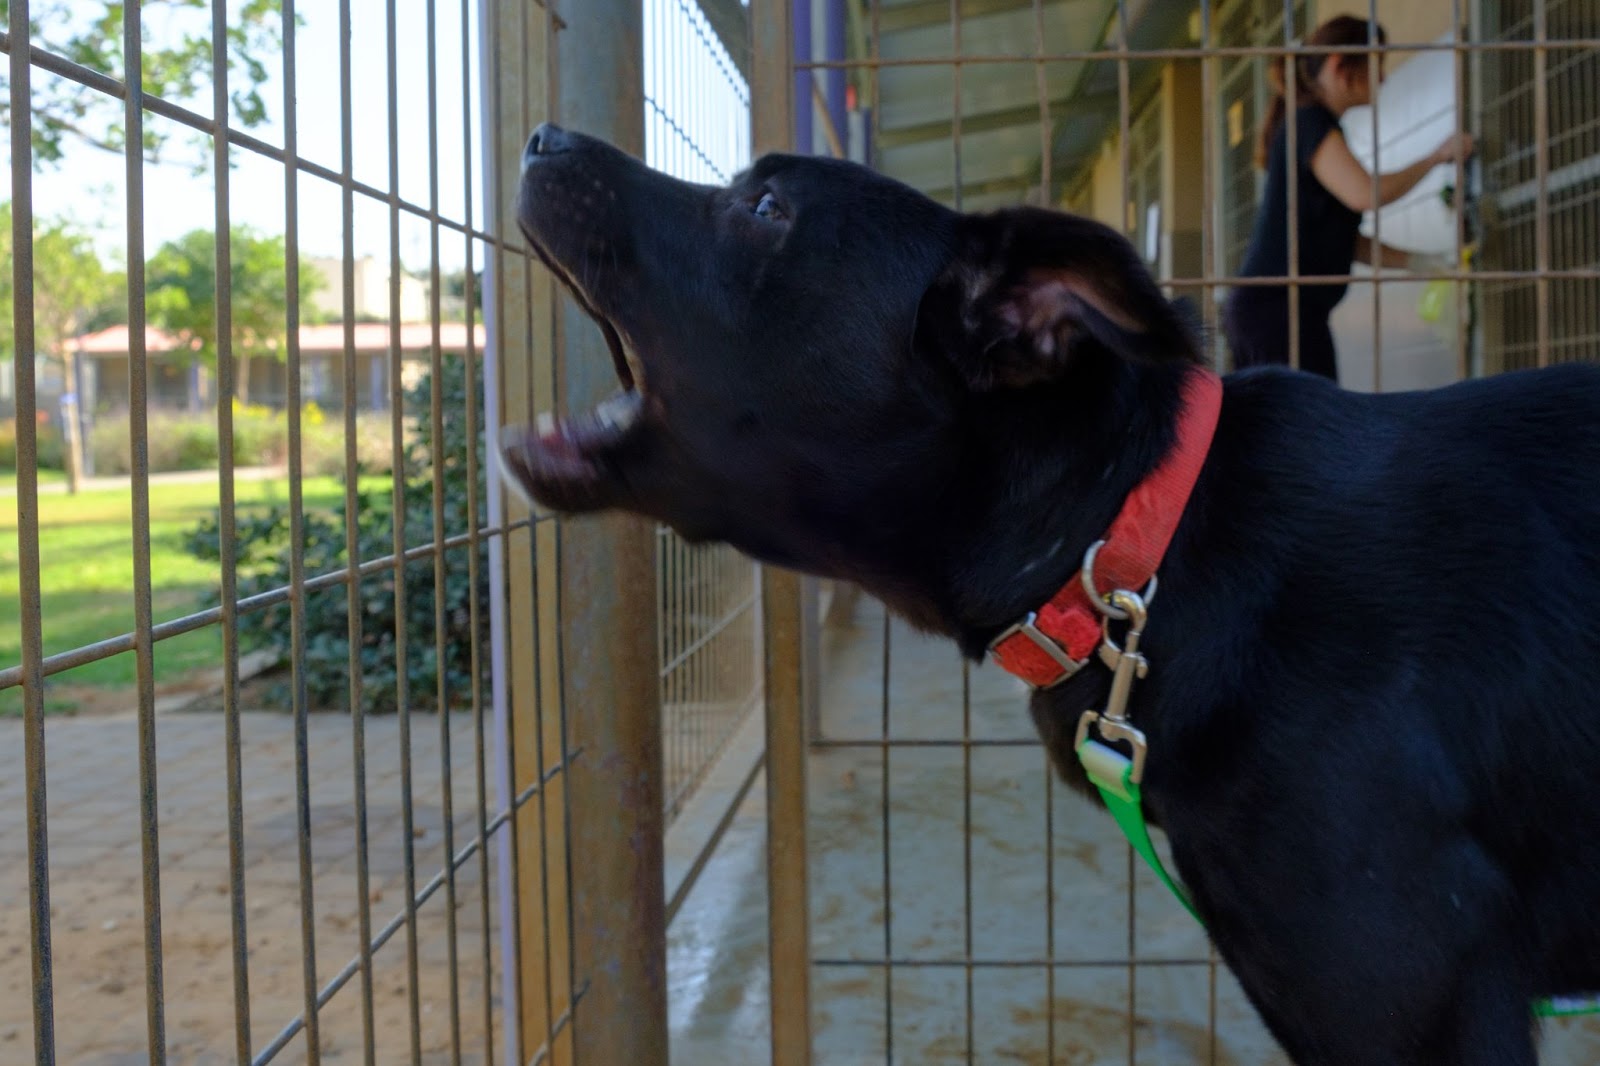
(174, 441)
(262, 544)
(188, 441)
(260, 435)
(50, 447)
(322, 445)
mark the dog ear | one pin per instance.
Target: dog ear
(1030, 292)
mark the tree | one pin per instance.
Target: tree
(69, 286)
(181, 288)
(177, 66)
(453, 290)
(262, 549)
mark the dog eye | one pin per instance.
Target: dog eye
(767, 208)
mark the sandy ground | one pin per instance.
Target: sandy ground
(97, 902)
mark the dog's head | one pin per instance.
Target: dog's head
(800, 353)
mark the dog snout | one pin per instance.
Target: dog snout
(547, 140)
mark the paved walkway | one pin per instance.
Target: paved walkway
(96, 895)
(914, 807)
(717, 950)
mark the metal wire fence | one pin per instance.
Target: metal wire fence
(697, 127)
(963, 907)
(405, 886)
(389, 887)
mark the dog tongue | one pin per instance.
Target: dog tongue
(555, 438)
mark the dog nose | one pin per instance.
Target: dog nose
(548, 139)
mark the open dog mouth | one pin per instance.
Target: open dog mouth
(569, 461)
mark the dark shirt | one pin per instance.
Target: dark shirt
(1328, 228)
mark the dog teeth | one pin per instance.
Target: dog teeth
(619, 412)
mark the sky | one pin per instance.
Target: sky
(694, 97)
(89, 185)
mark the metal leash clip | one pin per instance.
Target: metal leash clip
(1126, 665)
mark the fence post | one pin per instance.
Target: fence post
(772, 106)
(608, 630)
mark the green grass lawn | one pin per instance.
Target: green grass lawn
(86, 576)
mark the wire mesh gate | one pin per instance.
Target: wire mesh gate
(440, 882)
(962, 908)
(459, 818)
(918, 767)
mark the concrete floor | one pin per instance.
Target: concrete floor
(864, 1015)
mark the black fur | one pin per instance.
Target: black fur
(1375, 656)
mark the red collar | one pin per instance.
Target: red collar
(1052, 644)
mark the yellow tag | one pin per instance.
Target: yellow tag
(1430, 306)
(1235, 123)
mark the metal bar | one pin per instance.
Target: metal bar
(1049, 908)
(1577, 274)
(772, 103)
(1124, 160)
(1042, 90)
(480, 760)
(788, 892)
(924, 742)
(1541, 169)
(966, 845)
(955, 103)
(1373, 62)
(1009, 964)
(75, 72)
(1222, 51)
(31, 675)
(297, 566)
(1210, 161)
(1291, 170)
(803, 53)
(503, 27)
(966, 687)
(402, 641)
(531, 306)
(830, 132)
(538, 41)
(610, 686)
(442, 696)
(1208, 180)
(1047, 184)
(228, 592)
(1458, 34)
(834, 47)
(885, 769)
(353, 617)
(139, 490)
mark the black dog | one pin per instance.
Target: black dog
(1375, 654)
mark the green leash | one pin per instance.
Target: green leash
(1112, 773)
(1117, 777)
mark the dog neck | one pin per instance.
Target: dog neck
(1056, 469)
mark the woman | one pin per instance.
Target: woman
(1333, 191)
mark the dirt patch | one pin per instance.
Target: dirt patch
(98, 916)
